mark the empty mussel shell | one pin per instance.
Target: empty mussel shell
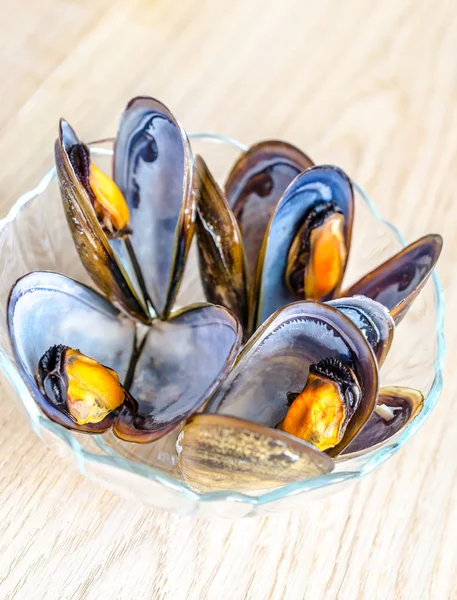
(373, 319)
(180, 365)
(105, 265)
(221, 254)
(275, 362)
(154, 169)
(398, 281)
(217, 452)
(256, 183)
(308, 238)
(396, 407)
(47, 310)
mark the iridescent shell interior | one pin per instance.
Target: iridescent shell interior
(35, 237)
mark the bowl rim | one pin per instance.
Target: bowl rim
(373, 459)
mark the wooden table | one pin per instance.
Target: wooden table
(368, 86)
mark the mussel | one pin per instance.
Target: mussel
(398, 281)
(89, 224)
(81, 393)
(276, 361)
(307, 242)
(143, 383)
(321, 412)
(133, 232)
(299, 344)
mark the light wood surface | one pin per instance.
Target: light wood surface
(370, 86)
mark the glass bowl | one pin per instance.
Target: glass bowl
(35, 236)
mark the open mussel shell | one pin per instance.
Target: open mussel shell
(99, 258)
(217, 452)
(167, 375)
(276, 361)
(398, 281)
(256, 183)
(181, 363)
(373, 319)
(319, 188)
(153, 167)
(221, 254)
(47, 309)
(395, 408)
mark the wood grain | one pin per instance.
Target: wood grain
(369, 86)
